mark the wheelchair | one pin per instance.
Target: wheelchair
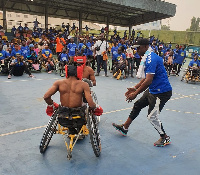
(73, 123)
(5, 66)
(34, 67)
(191, 75)
(118, 71)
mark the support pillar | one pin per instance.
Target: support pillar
(108, 20)
(129, 31)
(4, 16)
(80, 22)
(46, 17)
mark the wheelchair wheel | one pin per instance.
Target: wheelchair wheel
(48, 133)
(94, 133)
(94, 97)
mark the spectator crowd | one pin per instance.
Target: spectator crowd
(52, 49)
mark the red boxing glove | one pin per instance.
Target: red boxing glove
(50, 109)
(98, 110)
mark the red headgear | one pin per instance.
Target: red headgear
(72, 70)
(80, 59)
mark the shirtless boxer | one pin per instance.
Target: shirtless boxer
(71, 91)
(88, 72)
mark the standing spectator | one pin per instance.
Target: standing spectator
(90, 56)
(157, 92)
(35, 24)
(130, 60)
(133, 34)
(60, 44)
(72, 49)
(114, 52)
(13, 30)
(20, 30)
(26, 29)
(179, 60)
(101, 46)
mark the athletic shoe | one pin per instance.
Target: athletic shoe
(163, 141)
(9, 76)
(97, 74)
(121, 129)
(62, 75)
(49, 72)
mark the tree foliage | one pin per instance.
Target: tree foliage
(165, 27)
(195, 24)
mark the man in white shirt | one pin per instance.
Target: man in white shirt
(101, 46)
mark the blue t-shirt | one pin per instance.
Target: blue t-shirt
(194, 63)
(24, 50)
(14, 52)
(124, 45)
(63, 57)
(80, 45)
(162, 53)
(46, 52)
(137, 56)
(20, 28)
(30, 56)
(181, 56)
(118, 56)
(175, 55)
(72, 49)
(114, 51)
(89, 50)
(154, 65)
(3, 55)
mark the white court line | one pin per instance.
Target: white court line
(23, 80)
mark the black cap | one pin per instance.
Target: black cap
(141, 41)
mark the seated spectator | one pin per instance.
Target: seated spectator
(16, 50)
(18, 66)
(47, 58)
(121, 62)
(3, 55)
(63, 57)
(194, 66)
(24, 48)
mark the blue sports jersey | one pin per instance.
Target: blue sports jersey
(154, 65)
(89, 50)
(24, 50)
(46, 52)
(181, 56)
(194, 63)
(137, 56)
(14, 52)
(162, 53)
(114, 51)
(175, 55)
(63, 57)
(72, 49)
(3, 55)
(118, 56)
